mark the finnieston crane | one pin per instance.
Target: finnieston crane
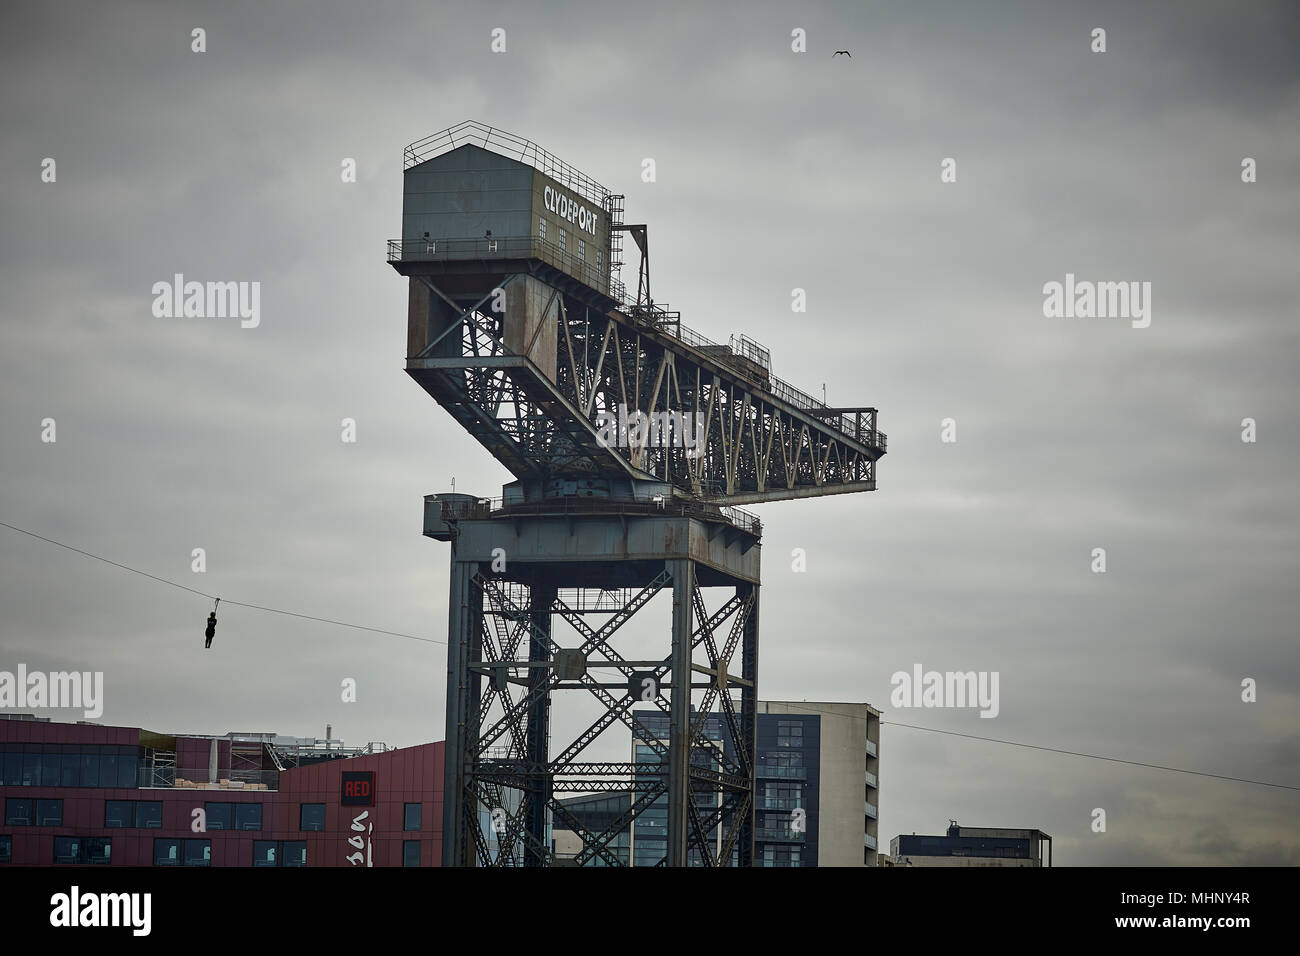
(631, 439)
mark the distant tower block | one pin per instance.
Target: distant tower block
(631, 438)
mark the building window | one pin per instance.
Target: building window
(293, 853)
(264, 853)
(599, 260)
(51, 769)
(279, 853)
(49, 813)
(51, 765)
(148, 814)
(582, 249)
(118, 813)
(410, 853)
(789, 733)
(782, 856)
(6, 848)
(219, 816)
(143, 814)
(312, 817)
(166, 852)
(98, 850)
(248, 816)
(198, 852)
(67, 849)
(90, 770)
(411, 819)
(541, 229)
(18, 812)
(562, 238)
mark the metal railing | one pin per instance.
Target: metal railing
(458, 509)
(654, 316)
(781, 835)
(227, 780)
(505, 144)
(745, 347)
(778, 803)
(784, 773)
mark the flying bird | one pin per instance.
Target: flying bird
(845, 52)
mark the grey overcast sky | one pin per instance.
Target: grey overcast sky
(775, 170)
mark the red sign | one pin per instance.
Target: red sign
(358, 788)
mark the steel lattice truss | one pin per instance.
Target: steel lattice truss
(756, 446)
(506, 785)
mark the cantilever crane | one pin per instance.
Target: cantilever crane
(519, 328)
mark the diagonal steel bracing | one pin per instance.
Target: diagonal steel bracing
(759, 439)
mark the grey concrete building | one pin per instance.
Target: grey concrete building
(824, 758)
(973, 846)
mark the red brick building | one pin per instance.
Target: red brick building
(83, 794)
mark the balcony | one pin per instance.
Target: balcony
(777, 835)
(868, 841)
(872, 749)
(781, 773)
(872, 781)
(871, 811)
(779, 803)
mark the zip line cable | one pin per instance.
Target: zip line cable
(1054, 750)
(430, 640)
(255, 607)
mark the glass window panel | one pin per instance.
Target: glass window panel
(99, 849)
(220, 816)
(13, 769)
(148, 814)
(126, 770)
(312, 817)
(412, 817)
(51, 769)
(71, 764)
(166, 852)
(118, 813)
(293, 853)
(18, 812)
(108, 770)
(49, 813)
(248, 816)
(89, 770)
(198, 852)
(264, 853)
(31, 770)
(410, 853)
(67, 849)
(6, 848)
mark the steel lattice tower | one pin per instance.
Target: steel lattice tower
(519, 328)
